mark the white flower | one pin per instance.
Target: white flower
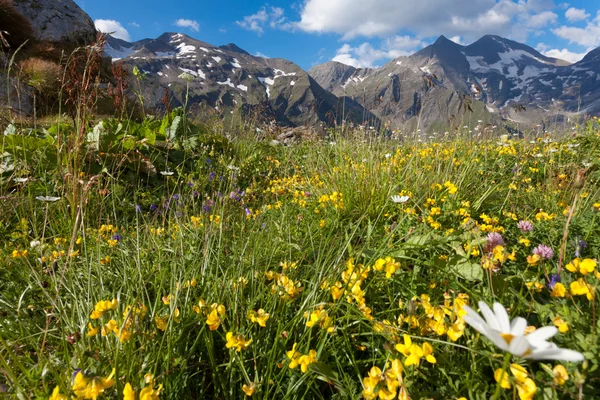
(48, 199)
(233, 168)
(21, 180)
(167, 173)
(186, 77)
(400, 199)
(34, 244)
(510, 336)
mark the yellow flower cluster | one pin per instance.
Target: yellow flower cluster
(303, 360)
(386, 385)
(237, 342)
(525, 386)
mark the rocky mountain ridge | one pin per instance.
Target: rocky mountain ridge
(499, 78)
(230, 80)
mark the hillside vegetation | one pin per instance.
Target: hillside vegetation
(159, 259)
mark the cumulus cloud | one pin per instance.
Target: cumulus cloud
(188, 23)
(564, 54)
(267, 16)
(367, 56)
(469, 19)
(575, 14)
(113, 27)
(589, 36)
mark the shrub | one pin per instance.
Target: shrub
(41, 74)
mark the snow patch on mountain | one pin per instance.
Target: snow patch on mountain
(227, 82)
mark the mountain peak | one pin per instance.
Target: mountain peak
(234, 48)
(443, 40)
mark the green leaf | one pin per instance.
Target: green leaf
(466, 269)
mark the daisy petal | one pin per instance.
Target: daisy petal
(557, 354)
(489, 316)
(540, 335)
(502, 317)
(518, 326)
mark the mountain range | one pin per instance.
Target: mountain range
(491, 81)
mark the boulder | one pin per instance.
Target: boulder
(58, 21)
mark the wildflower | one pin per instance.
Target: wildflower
(524, 241)
(452, 189)
(581, 288)
(238, 342)
(91, 388)
(533, 259)
(102, 307)
(544, 252)
(128, 392)
(493, 239)
(561, 324)
(56, 395)
(525, 226)
(414, 352)
(558, 290)
(510, 336)
(560, 375)
(92, 331)
(584, 267)
(48, 199)
(149, 393)
(161, 322)
(249, 389)
(400, 199)
(214, 318)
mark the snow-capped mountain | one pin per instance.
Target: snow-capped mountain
(494, 77)
(228, 79)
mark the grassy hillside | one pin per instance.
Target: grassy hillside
(159, 259)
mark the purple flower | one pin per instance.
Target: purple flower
(554, 279)
(544, 252)
(211, 176)
(247, 211)
(138, 208)
(493, 239)
(525, 226)
(234, 196)
(153, 207)
(196, 194)
(207, 206)
(117, 237)
(191, 184)
(175, 197)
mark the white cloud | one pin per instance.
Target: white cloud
(366, 56)
(457, 40)
(273, 17)
(114, 28)
(587, 37)
(469, 19)
(575, 14)
(542, 19)
(188, 23)
(564, 54)
(134, 24)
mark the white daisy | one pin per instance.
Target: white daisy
(510, 335)
(48, 199)
(400, 199)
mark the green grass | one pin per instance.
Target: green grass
(231, 220)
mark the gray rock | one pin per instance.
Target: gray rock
(58, 20)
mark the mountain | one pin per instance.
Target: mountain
(229, 80)
(491, 80)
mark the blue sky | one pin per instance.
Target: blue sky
(363, 33)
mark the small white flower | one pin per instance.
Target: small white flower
(233, 168)
(510, 336)
(21, 180)
(186, 77)
(48, 199)
(167, 173)
(34, 244)
(388, 155)
(400, 199)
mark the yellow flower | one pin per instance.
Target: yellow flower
(56, 395)
(561, 324)
(102, 307)
(148, 393)
(128, 392)
(533, 259)
(214, 318)
(560, 375)
(161, 322)
(581, 288)
(527, 389)
(306, 360)
(535, 286)
(260, 317)
(428, 353)
(238, 342)
(524, 241)
(558, 290)
(91, 388)
(501, 376)
(249, 389)
(92, 331)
